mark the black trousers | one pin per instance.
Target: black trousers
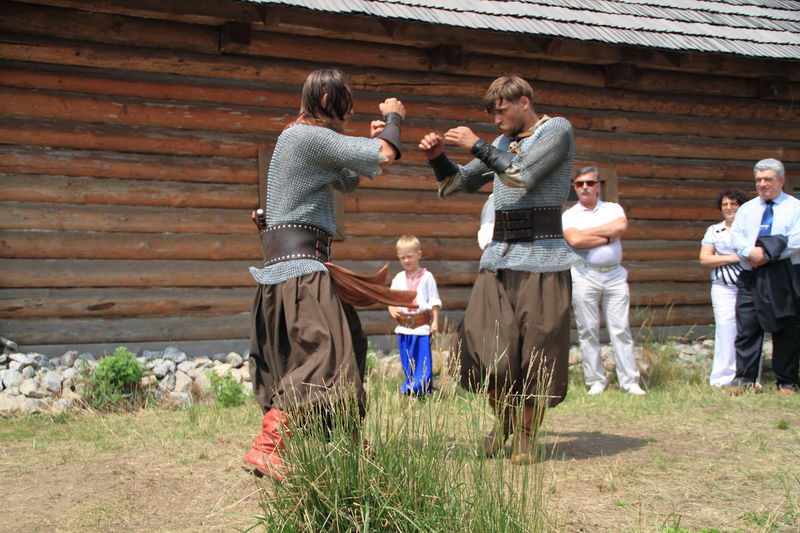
(749, 338)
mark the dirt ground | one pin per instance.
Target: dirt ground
(674, 461)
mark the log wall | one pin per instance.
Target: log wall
(130, 135)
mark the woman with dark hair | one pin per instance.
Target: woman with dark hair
(308, 349)
(717, 252)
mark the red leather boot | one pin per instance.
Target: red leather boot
(264, 457)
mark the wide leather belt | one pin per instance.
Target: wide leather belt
(414, 320)
(287, 242)
(526, 225)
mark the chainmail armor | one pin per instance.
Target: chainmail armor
(545, 164)
(308, 163)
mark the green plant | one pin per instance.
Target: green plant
(114, 383)
(420, 472)
(226, 390)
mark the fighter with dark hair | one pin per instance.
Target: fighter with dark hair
(307, 345)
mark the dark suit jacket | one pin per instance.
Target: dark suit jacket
(775, 286)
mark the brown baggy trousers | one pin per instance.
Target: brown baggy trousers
(515, 335)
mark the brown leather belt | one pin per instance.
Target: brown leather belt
(286, 242)
(413, 321)
(526, 225)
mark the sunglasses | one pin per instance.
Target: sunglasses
(590, 183)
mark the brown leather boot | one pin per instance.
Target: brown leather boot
(264, 457)
(525, 435)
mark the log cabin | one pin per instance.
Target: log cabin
(135, 140)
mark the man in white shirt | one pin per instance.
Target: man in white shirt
(759, 223)
(593, 228)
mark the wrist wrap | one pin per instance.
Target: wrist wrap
(443, 167)
(494, 158)
(391, 131)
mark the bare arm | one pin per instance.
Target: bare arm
(583, 240)
(612, 229)
(435, 319)
(709, 260)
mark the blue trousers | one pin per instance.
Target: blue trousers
(415, 357)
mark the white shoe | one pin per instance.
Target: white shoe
(635, 389)
(597, 388)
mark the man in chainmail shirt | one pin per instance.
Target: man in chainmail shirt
(514, 338)
(307, 345)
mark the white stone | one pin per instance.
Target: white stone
(173, 354)
(234, 359)
(183, 383)
(11, 377)
(52, 381)
(164, 368)
(20, 358)
(184, 398)
(245, 373)
(221, 369)
(247, 387)
(30, 388)
(16, 365)
(69, 358)
(202, 361)
(168, 383)
(33, 405)
(68, 373)
(185, 366)
(148, 381)
(28, 372)
(193, 373)
(201, 387)
(69, 394)
(10, 404)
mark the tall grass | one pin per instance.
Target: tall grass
(424, 470)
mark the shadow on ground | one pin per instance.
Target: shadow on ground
(588, 444)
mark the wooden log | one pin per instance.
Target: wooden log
(131, 302)
(666, 230)
(93, 26)
(660, 250)
(27, 48)
(553, 99)
(670, 209)
(22, 159)
(197, 12)
(32, 216)
(666, 146)
(236, 325)
(135, 112)
(147, 219)
(61, 273)
(123, 245)
(76, 190)
(670, 189)
(150, 301)
(126, 139)
(655, 294)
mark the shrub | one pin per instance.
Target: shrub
(227, 392)
(114, 383)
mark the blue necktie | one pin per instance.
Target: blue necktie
(766, 220)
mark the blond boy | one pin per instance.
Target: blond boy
(415, 325)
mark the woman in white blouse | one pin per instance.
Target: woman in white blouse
(717, 253)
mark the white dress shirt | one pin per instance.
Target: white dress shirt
(785, 221)
(583, 218)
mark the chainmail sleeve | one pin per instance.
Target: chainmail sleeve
(308, 163)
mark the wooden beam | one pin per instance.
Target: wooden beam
(234, 37)
(621, 75)
(450, 55)
(774, 87)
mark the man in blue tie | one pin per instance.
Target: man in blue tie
(766, 235)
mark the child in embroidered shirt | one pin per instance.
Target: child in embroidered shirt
(415, 325)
